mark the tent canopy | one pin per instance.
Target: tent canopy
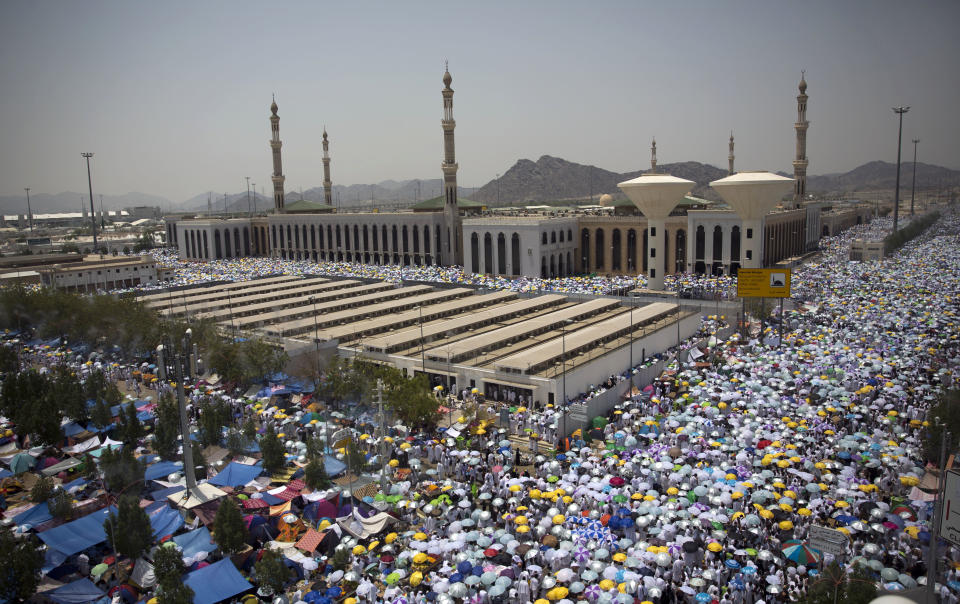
(35, 516)
(78, 592)
(236, 474)
(216, 582)
(76, 536)
(194, 542)
(162, 469)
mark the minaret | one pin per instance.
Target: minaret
(653, 156)
(275, 145)
(730, 157)
(800, 163)
(451, 246)
(327, 185)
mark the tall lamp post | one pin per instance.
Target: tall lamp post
(249, 207)
(913, 186)
(30, 212)
(93, 213)
(896, 192)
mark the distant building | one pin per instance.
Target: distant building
(700, 236)
(95, 273)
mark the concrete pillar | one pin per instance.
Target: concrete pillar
(752, 248)
(727, 243)
(655, 253)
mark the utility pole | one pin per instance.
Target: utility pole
(93, 212)
(29, 211)
(913, 187)
(896, 192)
(189, 472)
(249, 207)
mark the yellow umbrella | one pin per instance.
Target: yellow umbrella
(520, 520)
(841, 504)
(358, 550)
(804, 512)
(714, 547)
(420, 537)
(785, 525)
(619, 557)
(419, 558)
(523, 528)
(390, 538)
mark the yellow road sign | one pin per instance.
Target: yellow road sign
(763, 283)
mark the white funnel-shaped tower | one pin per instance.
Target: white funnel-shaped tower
(752, 195)
(656, 195)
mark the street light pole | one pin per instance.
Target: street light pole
(93, 213)
(249, 207)
(896, 193)
(913, 186)
(30, 212)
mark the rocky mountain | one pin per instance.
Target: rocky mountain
(552, 179)
(71, 202)
(877, 175)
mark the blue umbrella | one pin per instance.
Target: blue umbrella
(703, 597)
(749, 570)
(464, 567)
(731, 563)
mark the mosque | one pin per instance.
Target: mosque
(687, 234)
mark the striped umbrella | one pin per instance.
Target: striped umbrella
(800, 553)
(592, 592)
(581, 555)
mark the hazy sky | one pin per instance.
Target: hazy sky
(173, 97)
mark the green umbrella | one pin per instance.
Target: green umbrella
(599, 422)
(99, 569)
(750, 551)
(392, 578)
(620, 498)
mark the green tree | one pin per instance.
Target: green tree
(131, 430)
(834, 585)
(24, 399)
(169, 568)
(315, 475)
(112, 394)
(271, 572)
(261, 359)
(272, 450)
(178, 593)
(61, 505)
(236, 442)
(229, 531)
(249, 430)
(214, 415)
(95, 386)
(413, 402)
(90, 469)
(199, 461)
(356, 461)
(23, 560)
(120, 468)
(128, 530)
(100, 416)
(9, 360)
(42, 490)
(167, 431)
(66, 390)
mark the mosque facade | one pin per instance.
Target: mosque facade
(695, 240)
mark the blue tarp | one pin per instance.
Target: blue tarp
(78, 535)
(216, 582)
(162, 494)
(163, 519)
(333, 466)
(78, 483)
(36, 515)
(22, 462)
(162, 470)
(194, 542)
(80, 591)
(5, 472)
(72, 429)
(236, 474)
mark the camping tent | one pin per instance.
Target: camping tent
(216, 582)
(235, 474)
